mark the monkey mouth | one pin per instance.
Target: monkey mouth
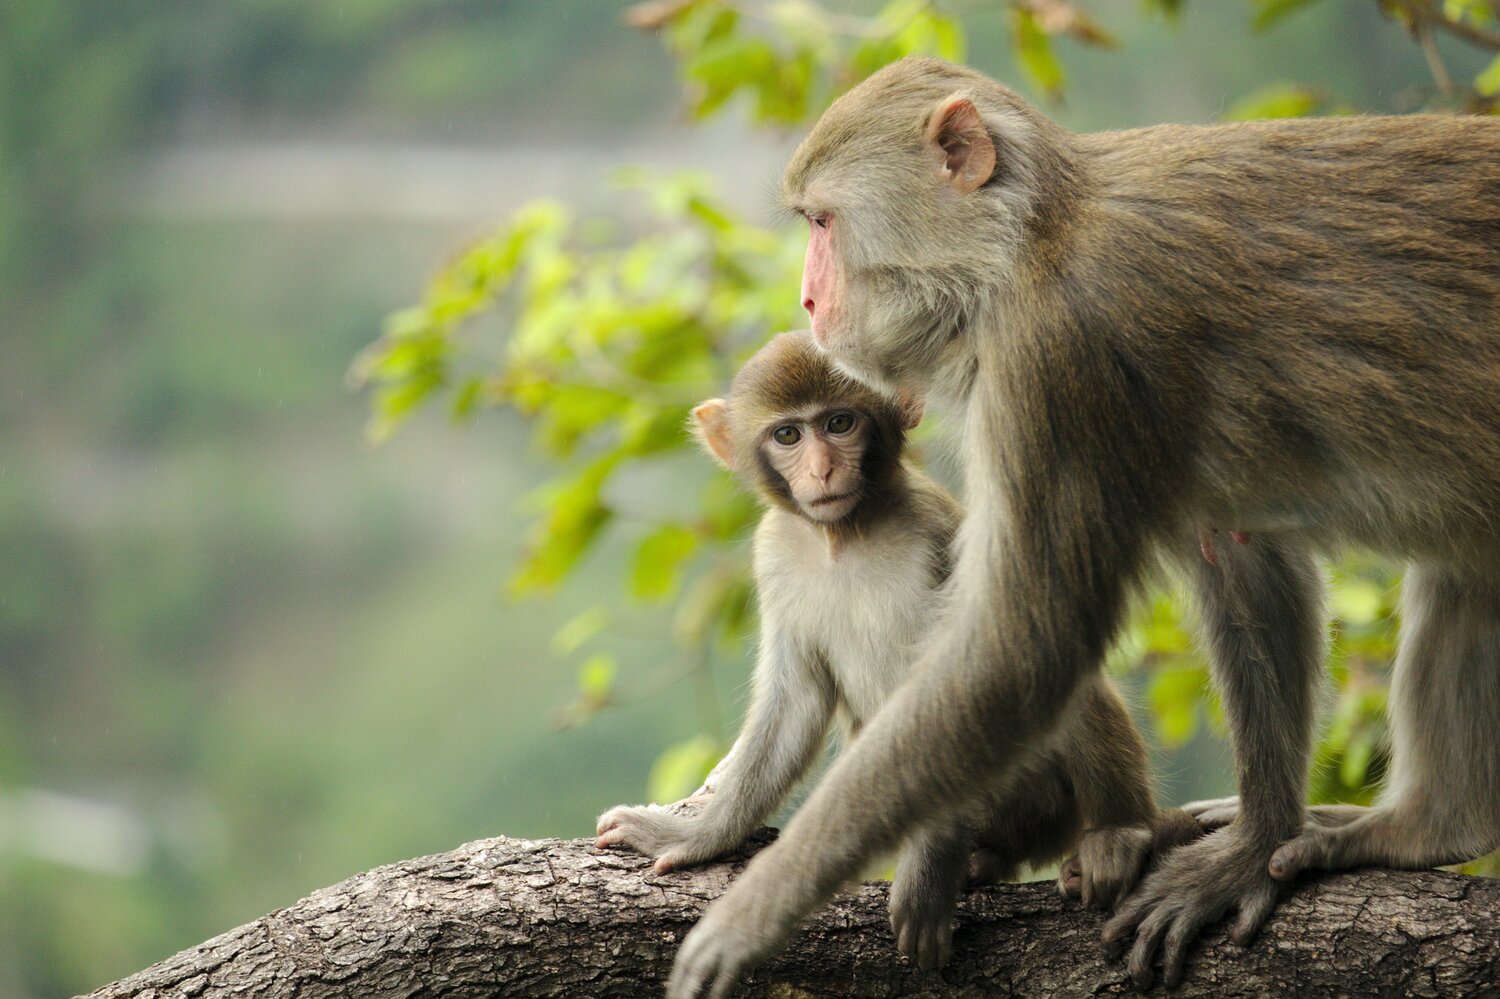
(836, 498)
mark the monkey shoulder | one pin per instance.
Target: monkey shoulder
(932, 510)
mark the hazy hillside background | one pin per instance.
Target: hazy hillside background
(242, 654)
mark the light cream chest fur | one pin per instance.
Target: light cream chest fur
(861, 609)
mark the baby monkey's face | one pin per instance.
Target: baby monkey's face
(820, 456)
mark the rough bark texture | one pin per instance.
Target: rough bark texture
(555, 918)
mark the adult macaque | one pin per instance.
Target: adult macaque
(849, 556)
(1288, 329)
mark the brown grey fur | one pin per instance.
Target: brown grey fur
(843, 611)
(1287, 328)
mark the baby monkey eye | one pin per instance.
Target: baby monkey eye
(840, 423)
(787, 435)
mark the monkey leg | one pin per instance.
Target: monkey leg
(1260, 610)
(1441, 805)
(929, 876)
(1031, 819)
(1109, 775)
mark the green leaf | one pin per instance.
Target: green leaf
(1358, 601)
(1473, 10)
(681, 768)
(1488, 81)
(658, 561)
(1170, 9)
(1279, 100)
(1033, 52)
(394, 405)
(1174, 695)
(1161, 632)
(1268, 12)
(725, 66)
(577, 630)
(596, 678)
(575, 516)
(466, 398)
(1355, 765)
(917, 27)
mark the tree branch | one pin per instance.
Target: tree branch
(558, 918)
(1430, 13)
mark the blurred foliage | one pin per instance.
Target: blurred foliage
(606, 343)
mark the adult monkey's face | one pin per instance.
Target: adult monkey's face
(912, 218)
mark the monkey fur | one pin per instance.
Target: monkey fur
(1288, 329)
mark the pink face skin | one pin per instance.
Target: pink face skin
(820, 277)
(819, 457)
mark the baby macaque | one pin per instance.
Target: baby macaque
(850, 558)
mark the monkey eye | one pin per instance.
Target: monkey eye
(821, 221)
(840, 423)
(786, 436)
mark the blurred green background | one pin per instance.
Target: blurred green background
(243, 653)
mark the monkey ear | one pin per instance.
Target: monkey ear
(962, 144)
(711, 427)
(911, 407)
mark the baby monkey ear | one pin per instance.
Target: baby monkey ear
(711, 427)
(911, 407)
(963, 147)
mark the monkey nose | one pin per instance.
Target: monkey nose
(809, 305)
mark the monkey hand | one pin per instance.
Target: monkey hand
(922, 920)
(1213, 813)
(924, 892)
(1192, 887)
(1107, 865)
(673, 840)
(734, 935)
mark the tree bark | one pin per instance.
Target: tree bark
(558, 918)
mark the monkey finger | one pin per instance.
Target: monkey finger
(1147, 941)
(609, 838)
(665, 863)
(1198, 808)
(1174, 949)
(1070, 880)
(692, 972)
(1296, 855)
(1216, 819)
(903, 938)
(1253, 914)
(933, 950)
(1123, 925)
(609, 820)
